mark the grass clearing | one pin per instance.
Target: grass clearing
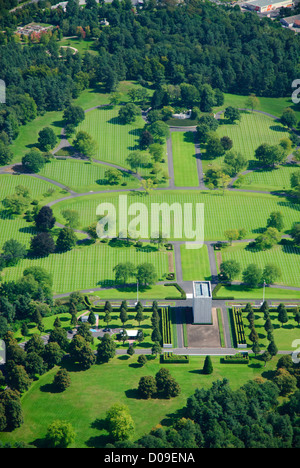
(184, 159)
(270, 180)
(286, 257)
(231, 211)
(93, 392)
(29, 133)
(195, 264)
(89, 267)
(82, 176)
(115, 140)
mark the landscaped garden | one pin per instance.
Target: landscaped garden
(93, 392)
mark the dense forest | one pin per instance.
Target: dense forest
(194, 45)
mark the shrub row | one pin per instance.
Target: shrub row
(170, 358)
(239, 326)
(239, 358)
(166, 325)
(182, 292)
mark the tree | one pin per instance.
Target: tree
(268, 239)
(60, 434)
(252, 275)
(252, 102)
(266, 357)
(230, 269)
(286, 382)
(156, 349)
(295, 233)
(119, 422)
(146, 274)
(214, 147)
(84, 144)
(276, 220)
(271, 273)
(124, 271)
(232, 114)
(33, 161)
(11, 404)
(53, 354)
(130, 350)
(47, 139)
(72, 218)
(128, 113)
(289, 118)
(270, 155)
(13, 252)
(138, 159)
(123, 316)
(142, 360)
(74, 115)
(6, 154)
(147, 387)
(231, 235)
(17, 377)
(44, 219)
(113, 176)
(62, 380)
(234, 163)
(81, 352)
(160, 131)
(272, 348)
(208, 367)
(282, 314)
(42, 244)
(106, 349)
(66, 240)
(139, 316)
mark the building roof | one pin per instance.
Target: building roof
(291, 19)
(202, 289)
(265, 3)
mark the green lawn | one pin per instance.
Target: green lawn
(231, 211)
(94, 391)
(266, 104)
(89, 266)
(16, 227)
(81, 45)
(115, 140)
(28, 134)
(195, 264)
(286, 257)
(269, 180)
(83, 176)
(240, 292)
(184, 160)
(247, 135)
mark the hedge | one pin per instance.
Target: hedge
(239, 358)
(182, 292)
(166, 325)
(170, 358)
(239, 327)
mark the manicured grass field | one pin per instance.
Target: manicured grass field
(28, 134)
(234, 210)
(240, 292)
(114, 139)
(184, 160)
(195, 264)
(93, 392)
(286, 257)
(284, 335)
(266, 104)
(251, 131)
(269, 180)
(15, 227)
(83, 176)
(89, 267)
(247, 135)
